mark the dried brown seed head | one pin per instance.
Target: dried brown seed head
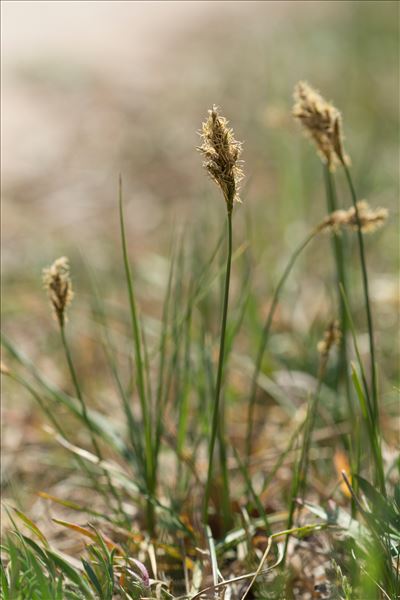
(322, 122)
(332, 337)
(370, 218)
(57, 282)
(221, 156)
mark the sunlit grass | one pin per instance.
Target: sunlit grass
(169, 512)
(193, 447)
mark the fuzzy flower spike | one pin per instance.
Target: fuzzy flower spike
(221, 156)
(322, 123)
(370, 219)
(57, 282)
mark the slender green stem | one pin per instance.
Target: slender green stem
(292, 506)
(183, 406)
(140, 367)
(366, 290)
(216, 411)
(339, 255)
(226, 511)
(132, 426)
(252, 493)
(374, 390)
(300, 476)
(356, 348)
(50, 415)
(364, 398)
(264, 339)
(159, 403)
(86, 417)
(136, 334)
(79, 392)
(271, 474)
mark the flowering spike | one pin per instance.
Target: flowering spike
(322, 122)
(221, 156)
(370, 219)
(57, 282)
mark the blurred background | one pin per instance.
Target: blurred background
(94, 89)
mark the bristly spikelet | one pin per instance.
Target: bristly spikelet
(57, 282)
(370, 219)
(221, 156)
(332, 337)
(322, 122)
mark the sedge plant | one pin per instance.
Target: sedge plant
(142, 385)
(185, 372)
(331, 338)
(335, 223)
(322, 122)
(57, 282)
(221, 152)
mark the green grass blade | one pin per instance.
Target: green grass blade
(360, 392)
(5, 589)
(339, 252)
(251, 491)
(264, 340)
(101, 425)
(216, 406)
(93, 578)
(140, 369)
(133, 428)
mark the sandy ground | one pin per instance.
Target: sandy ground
(86, 87)
(120, 42)
(78, 78)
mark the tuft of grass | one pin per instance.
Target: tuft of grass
(182, 433)
(150, 465)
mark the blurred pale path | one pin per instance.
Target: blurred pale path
(128, 44)
(73, 74)
(119, 41)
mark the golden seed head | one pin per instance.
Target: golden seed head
(322, 122)
(370, 219)
(57, 282)
(332, 337)
(221, 156)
